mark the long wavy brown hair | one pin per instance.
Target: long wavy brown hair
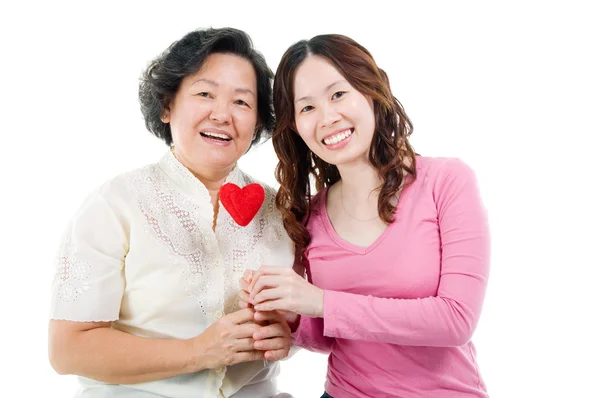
(390, 152)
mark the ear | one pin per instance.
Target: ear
(165, 117)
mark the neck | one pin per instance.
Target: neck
(361, 182)
(212, 178)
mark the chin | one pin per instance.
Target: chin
(213, 157)
(221, 163)
(348, 158)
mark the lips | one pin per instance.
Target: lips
(337, 136)
(217, 135)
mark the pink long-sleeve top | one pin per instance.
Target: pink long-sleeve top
(399, 314)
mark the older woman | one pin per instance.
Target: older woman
(145, 294)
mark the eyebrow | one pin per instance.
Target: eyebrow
(215, 84)
(325, 90)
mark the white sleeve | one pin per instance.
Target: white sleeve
(89, 282)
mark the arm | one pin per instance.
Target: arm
(309, 332)
(448, 319)
(96, 351)
(81, 340)
(87, 293)
(310, 335)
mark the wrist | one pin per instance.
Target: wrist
(320, 310)
(195, 350)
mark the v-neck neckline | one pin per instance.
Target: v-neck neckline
(404, 197)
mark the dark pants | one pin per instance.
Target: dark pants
(325, 395)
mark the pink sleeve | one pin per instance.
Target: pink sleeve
(309, 333)
(448, 319)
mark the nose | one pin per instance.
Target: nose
(330, 115)
(221, 112)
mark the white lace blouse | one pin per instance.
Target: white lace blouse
(141, 252)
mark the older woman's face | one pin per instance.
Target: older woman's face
(213, 116)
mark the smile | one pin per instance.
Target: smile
(215, 136)
(338, 137)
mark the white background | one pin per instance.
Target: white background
(510, 87)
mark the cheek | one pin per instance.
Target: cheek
(246, 124)
(369, 121)
(187, 116)
(304, 127)
(192, 110)
(365, 112)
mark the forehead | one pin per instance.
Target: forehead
(227, 70)
(313, 75)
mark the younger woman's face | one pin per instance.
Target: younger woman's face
(335, 120)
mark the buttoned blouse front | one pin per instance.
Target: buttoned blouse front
(141, 252)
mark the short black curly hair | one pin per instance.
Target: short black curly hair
(161, 80)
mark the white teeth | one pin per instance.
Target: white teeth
(338, 137)
(218, 135)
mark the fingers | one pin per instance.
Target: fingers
(269, 294)
(265, 281)
(279, 343)
(244, 285)
(291, 318)
(247, 276)
(276, 355)
(244, 299)
(246, 330)
(263, 316)
(271, 305)
(271, 331)
(241, 345)
(244, 304)
(241, 316)
(268, 270)
(268, 316)
(247, 356)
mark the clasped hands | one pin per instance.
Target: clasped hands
(278, 293)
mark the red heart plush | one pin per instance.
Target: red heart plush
(242, 203)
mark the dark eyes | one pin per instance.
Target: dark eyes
(335, 96)
(205, 94)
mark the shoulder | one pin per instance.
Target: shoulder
(443, 169)
(115, 193)
(122, 184)
(450, 180)
(443, 165)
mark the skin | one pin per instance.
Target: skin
(221, 97)
(326, 104)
